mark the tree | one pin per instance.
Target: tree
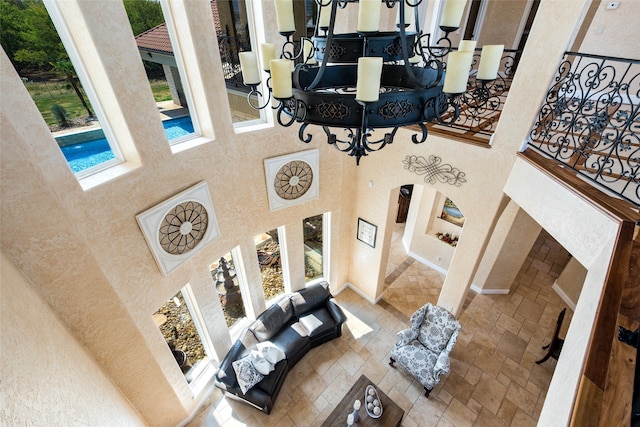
(11, 22)
(42, 45)
(143, 15)
(66, 68)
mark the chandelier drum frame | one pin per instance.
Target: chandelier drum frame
(411, 82)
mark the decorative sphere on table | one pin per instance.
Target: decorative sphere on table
(370, 406)
(376, 402)
(376, 410)
(372, 392)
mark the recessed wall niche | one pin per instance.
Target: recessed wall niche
(451, 213)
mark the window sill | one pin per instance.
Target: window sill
(189, 144)
(107, 175)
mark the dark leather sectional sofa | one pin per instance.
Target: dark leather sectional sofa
(295, 324)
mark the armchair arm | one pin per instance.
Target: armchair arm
(406, 336)
(442, 364)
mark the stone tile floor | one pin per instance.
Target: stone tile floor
(494, 380)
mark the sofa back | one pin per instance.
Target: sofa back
(309, 298)
(272, 320)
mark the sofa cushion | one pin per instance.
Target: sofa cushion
(309, 298)
(271, 381)
(292, 339)
(272, 320)
(317, 322)
(246, 373)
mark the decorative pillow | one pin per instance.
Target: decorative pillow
(261, 364)
(270, 352)
(246, 373)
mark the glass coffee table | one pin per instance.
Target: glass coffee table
(391, 413)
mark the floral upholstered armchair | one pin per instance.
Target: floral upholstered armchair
(423, 350)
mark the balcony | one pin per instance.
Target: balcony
(590, 122)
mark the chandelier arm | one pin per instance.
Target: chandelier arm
(425, 133)
(405, 52)
(450, 101)
(256, 92)
(289, 48)
(325, 56)
(301, 136)
(320, 3)
(287, 107)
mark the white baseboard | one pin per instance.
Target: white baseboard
(563, 296)
(359, 292)
(480, 291)
(427, 263)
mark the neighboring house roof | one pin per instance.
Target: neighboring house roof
(157, 39)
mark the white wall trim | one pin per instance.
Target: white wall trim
(481, 291)
(359, 292)
(563, 296)
(427, 263)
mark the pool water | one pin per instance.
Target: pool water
(93, 152)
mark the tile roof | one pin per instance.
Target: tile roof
(157, 38)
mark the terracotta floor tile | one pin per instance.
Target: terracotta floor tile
(489, 392)
(512, 346)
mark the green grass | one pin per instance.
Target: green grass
(45, 94)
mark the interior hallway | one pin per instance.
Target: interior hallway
(493, 382)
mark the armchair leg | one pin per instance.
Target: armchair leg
(427, 391)
(391, 361)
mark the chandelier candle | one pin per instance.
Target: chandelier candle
(281, 78)
(284, 16)
(408, 13)
(452, 13)
(369, 72)
(268, 53)
(455, 80)
(467, 46)
(249, 66)
(308, 52)
(325, 16)
(369, 16)
(490, 62)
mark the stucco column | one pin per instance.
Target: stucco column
(555, 26)
(510, 244)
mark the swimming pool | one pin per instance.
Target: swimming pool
(93, 151)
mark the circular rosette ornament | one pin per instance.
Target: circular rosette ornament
(293, 180)
(183, 228)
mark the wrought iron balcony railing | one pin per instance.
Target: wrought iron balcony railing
(590, 122)
(478, 119)
(229, 48)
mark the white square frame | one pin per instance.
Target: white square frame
(151, 219)
(273, 165)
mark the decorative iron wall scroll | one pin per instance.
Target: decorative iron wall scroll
(434, 170)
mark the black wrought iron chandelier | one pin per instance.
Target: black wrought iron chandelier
(369, 79)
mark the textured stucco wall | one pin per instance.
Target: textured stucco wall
(48, 377)
(83, 249)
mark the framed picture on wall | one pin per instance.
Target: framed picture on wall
(367, 232)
